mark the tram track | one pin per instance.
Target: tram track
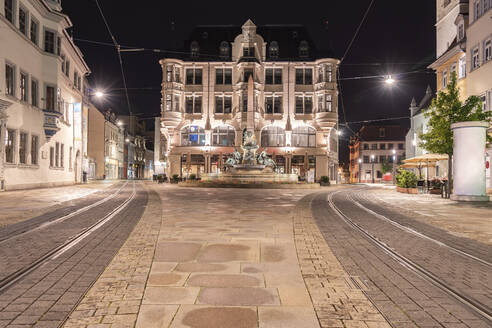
(26, 230)
(12, 278)
(475, 306)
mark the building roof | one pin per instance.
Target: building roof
(425, 102)
(288, 37)
(391, 133)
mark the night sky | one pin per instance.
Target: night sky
(398, 36)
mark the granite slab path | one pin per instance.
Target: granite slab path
(226, 258)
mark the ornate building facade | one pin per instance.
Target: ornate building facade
(270, 80)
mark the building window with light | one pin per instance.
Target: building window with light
(223, 104)
(273, 104)
(475, 58)
(273, 76)
(273, 50)
(9, 10)
(273, 136)
(224, 49)
(462, 67)
(487, 50)
(304, 76)
(192, 136)
(23, 21)
(223, 76)
(193, 104)
(24, 80)
(303, 49)
(194, 76)
(444, 79)
(304, 104)
(49, 41)
(304, 136)
(223, 136)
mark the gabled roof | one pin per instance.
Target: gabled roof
(426, 100)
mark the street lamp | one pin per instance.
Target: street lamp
(360, 171)
(372, 171)
(99, 94)
(394, 160)
(389, 80)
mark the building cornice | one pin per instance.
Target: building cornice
(446, 56)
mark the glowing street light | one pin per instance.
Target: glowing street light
(99, 94)
(339, 132)
(389, 80)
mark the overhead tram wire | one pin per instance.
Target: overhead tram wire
(118, 49)
(343, 58)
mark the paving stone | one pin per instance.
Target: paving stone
(156, 316)
(287, 317)
(215, 317)
(225, 280)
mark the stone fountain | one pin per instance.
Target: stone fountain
(249, 167)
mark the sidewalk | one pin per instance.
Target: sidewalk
(20, 205)
(470, 220)
(225, 258)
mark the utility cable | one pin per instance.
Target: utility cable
(357, 31)
(118, 49)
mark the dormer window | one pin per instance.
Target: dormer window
(195, 49)
(303, 49)
(224, 49)
(382, 133)
(273, 50)
(248, 51)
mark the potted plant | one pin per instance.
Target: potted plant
(175, 178)
(324, 181)
(406, 182)
(435, 186)
(192, 177)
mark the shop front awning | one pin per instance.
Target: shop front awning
(417, 165)
(426, 159)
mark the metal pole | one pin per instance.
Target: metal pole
(372, 171)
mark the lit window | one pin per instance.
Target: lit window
(273, 50)
(193, 104)
(303, 49)
(34, 31)
(475, 58)
(273, 76)
(273, 104)
(49, 42)
(192, 136)
(304, 136)
(487, 50)
(194, 76)
(223, 104)
(23, 21)
(304, 76)
(9, 80)
(273, 136)
(223, 136)
(462, 67)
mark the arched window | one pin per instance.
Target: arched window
(304, 136)
(224, 49)
(223, 136)
(303, 49)
(273, 136)
(195, 49)
(273, 50)
(192, 135)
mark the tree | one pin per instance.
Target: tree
(386, 166)
(445, 110)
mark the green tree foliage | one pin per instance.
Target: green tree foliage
(445, 110)
(386, 166)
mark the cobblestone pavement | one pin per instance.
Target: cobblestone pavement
(20, 205)
(404, 298)
(442, 213)
(225, 258)
(47, 295)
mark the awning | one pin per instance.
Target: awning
(427, 158)
(417, 165)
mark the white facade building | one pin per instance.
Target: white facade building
(479, 60)
(269, 80)
(41, 74)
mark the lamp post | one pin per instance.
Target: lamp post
(372, 170)
(360, 171)
(394, 160)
